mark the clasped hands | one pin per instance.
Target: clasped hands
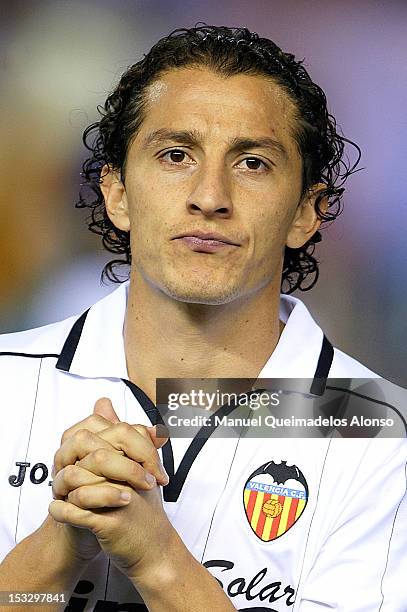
(105, 479)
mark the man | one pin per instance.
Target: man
(214, 164)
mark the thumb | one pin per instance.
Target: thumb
(104, 407)
(159, 435)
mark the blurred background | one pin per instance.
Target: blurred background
(59, 61)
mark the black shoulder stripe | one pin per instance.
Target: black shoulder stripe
(68, 350)
(323, 366)
(71, 344)
(31, 355)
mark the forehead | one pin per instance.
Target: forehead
(237, 105)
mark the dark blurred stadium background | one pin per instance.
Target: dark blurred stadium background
(59, 59)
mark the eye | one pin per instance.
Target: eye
(175, 156)
(252, 163)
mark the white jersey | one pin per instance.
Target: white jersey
(339, 541)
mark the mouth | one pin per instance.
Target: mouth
(205, 242)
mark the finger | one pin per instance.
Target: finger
(113, 466)
(136, 443)
(94, 423)
(159, 435)
(71, 477)
(77, 446)
(100, 496)
(65, 512)
(104, 408)
(103, 416)
(150, 434)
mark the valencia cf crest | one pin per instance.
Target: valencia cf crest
(274, 498)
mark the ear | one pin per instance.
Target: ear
(306, 220)
(115, 197)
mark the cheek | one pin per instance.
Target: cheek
(143, 200)
(149, 222)
(270, 228)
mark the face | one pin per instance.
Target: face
(215, 155)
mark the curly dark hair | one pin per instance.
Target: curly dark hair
(227, 51)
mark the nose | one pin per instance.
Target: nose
(210, 194)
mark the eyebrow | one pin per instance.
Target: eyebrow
(265, 142)
(190, 137)
(193, 137)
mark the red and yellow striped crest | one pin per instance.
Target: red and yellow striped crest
(271, 507)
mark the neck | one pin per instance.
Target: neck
(166, 338)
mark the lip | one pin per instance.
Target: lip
(207, 236)
(204, 246)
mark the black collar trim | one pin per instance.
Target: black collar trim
(323, 366)
(71, 344)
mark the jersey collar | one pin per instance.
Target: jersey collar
(298, 349)
(94, 347)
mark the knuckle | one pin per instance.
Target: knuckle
(82, 435)
(56, 456)
(71, 474)
(100, 456)
(65, 435)
(77, 497)
(124, 429)
(142, 429)
(70, 497)
(81, 496)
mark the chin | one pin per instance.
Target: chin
(204, 295)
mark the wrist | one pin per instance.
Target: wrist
(163, 567)
(41, 562)
(54, 543)
(177, 581)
